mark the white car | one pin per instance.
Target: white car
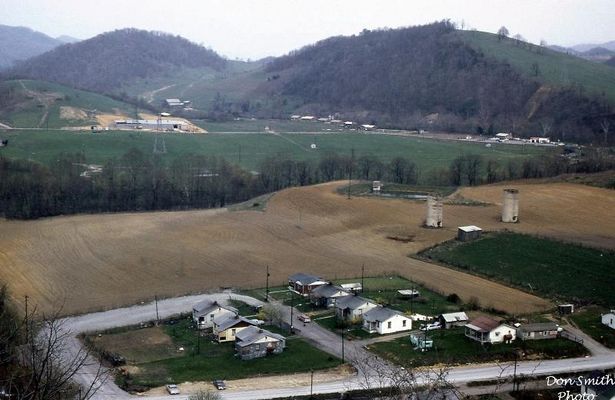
(431, 327)
(172, 389)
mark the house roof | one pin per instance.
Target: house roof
(455, 317)
(207, 306)
(252, 334)
(304, 279)
(351, 285)
(351, 302)
(231, 320)
(470, 228)
(483, 324)
(380, 314)
(328, 291)
(539, 327)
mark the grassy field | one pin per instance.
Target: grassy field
(556, 269)
(555, 68)
(154, 352)
(452, 347)
(589, 321)
(248, 150)
(42, 98)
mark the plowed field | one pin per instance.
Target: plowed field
(92, 262)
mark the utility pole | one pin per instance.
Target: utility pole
(157, 315)
(515, 373)
(267, 286)
(27, 321)
(342, 345)
(292, 306)
(362, 277)
(311, 383)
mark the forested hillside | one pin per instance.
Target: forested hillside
(18, 43)
(107, 61)
(430, 77)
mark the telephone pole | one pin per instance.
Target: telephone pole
(157, 315)
(267, 286)
(27, 320)
(350, 171)
(362, 277)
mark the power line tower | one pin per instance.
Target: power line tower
(160, 146)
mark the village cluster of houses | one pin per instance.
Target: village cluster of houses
(331, 120)
(352, 308)
(226, 325)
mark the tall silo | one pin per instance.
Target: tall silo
(434, 212)
(510, 208)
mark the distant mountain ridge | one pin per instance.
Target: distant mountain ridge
(19, 43)
(104, 63)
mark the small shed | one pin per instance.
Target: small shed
(468, 233)
(450, 320)
(565, 309)
(376, 186)
(408, 293)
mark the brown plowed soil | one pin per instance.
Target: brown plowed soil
(92, 262)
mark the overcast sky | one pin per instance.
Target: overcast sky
(255, 29)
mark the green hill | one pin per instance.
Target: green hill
(39, 104)
(545, 65)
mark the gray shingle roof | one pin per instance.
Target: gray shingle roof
(251, 334)
(207, 306)
(380, 314)
(351, 302)
(539, 327)
(230, 321)
(305, 279)
(327, 291)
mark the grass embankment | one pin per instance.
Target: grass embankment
(451, 347)
(154, 359)
(559, 270)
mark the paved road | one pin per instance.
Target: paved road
(326, 340)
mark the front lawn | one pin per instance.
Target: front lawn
(154, 357)
(451, 347)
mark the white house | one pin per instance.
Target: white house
(486, 330)
(384, 320)
(609, 319)
(352, 308)
(203, 313)
(326, 295)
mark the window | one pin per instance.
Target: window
(403, 323)
(233, 331)
(389, 325)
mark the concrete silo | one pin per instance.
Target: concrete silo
(510, 208)
(434, 212)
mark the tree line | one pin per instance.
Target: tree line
(140, 182)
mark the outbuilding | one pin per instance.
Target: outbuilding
(468, 233)
(450, 320)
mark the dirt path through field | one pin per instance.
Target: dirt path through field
(92, 262)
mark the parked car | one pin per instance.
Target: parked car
(219, 384)
(431, 327)
(172, 389)
(304, 318)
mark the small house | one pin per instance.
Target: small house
(608, 319)
(544, 330)
(408, 293)
(305, 283)
(385, 320)
(565, 309)
(468, 233)
(451, 320)
(540, 140)
(253, 342)
(204, 312)
(226, 327)
(352, 308)
(487, 330)
(354, 287)
(326, 295)
(503, 136)
(308, 118)
(376, 186)
(295, 117)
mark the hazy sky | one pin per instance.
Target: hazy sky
(255, 29)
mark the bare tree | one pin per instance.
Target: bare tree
(205, 395)
(545, 126)
(46, 361)
(605, 125)
(274, 312)
(400, 383)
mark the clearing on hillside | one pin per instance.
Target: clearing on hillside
(90, 262)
